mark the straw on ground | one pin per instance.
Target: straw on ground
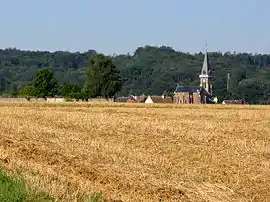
(134, 152)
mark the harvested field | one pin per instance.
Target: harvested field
(138, 152)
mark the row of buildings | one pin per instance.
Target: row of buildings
(183, 94)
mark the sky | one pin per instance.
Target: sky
(121, 26)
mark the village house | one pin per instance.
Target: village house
(129, 99)
(140, 99)
(158, 99)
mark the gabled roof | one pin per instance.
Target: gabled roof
(160, 99)
(131, 99)
(141, 99)
(125, 99)
(122, 99)
(187, 89)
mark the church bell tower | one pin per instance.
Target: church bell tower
(205, 78)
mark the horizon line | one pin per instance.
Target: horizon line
(128, 53)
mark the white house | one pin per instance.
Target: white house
(158, 99)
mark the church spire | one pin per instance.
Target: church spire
(205, 64)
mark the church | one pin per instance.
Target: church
(196, 94)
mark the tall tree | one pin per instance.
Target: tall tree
(102, 77)
(45, 84)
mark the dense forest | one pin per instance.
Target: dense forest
(150, 70)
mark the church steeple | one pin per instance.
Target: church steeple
(204, 76)
(205, 65)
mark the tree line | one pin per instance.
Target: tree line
(102, 79)
(150, 70)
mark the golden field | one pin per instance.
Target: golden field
(139, 152)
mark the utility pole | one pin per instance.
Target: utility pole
(228, 82)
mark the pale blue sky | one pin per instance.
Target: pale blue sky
(120, 26)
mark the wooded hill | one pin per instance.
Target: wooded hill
(150, 70)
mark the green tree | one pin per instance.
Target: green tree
(83, 95)
(45, 84)
(27, 92)
(70, 90)
(102, 77)
(253, 90)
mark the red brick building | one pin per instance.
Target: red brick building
(196, 94)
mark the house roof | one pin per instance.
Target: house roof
(122, 99)
(125, 99)
(234, 102)
(141, 99)
(160, 99)
(190, 89)
(131, 99)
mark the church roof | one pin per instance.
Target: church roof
(205, 65)
(189, 89)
